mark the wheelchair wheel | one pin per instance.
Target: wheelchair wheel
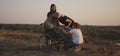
(42, 42)
(45, 43)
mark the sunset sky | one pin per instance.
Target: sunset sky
(86, 12)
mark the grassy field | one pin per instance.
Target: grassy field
(22, 40)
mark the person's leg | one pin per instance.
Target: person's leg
(71, 43)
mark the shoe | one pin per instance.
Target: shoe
(77, 49)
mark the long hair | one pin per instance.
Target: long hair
(51, 7)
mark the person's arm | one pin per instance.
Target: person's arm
(53, 16)
(64, 31)
(48, 14)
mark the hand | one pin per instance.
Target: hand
(54, 15)
(66, 26)
(61, 28)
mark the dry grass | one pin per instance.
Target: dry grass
(21, 43)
